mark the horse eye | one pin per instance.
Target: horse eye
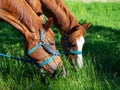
(73, 44)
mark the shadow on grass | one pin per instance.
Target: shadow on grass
(103, 44)
(8, 34)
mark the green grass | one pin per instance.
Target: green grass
(101, 53)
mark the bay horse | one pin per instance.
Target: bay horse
(72, 32)
(40, 45)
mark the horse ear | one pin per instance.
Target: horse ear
(75, 28)
(85, 26)
(48, 23)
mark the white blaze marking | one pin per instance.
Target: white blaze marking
(80, 41)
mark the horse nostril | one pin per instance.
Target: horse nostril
(53, 73)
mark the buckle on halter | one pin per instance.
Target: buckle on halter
(57, 53)
(68, 50)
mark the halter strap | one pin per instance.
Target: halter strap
(33, 49)
(73, 52)
(68, 50)
(46, 61)
(45, 47)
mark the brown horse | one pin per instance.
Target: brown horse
(72, 32)
(39, 38)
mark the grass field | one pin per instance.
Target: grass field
(101, 54)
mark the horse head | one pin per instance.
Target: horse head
(41, 48)
(72, 43)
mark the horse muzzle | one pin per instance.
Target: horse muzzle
(61, 71)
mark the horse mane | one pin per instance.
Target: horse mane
(63, 18)
(24, 13)
(62, 7)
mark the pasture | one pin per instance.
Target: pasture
(101, 53)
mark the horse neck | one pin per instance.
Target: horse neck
(24, 13)
(20, 15)
(62, 17)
